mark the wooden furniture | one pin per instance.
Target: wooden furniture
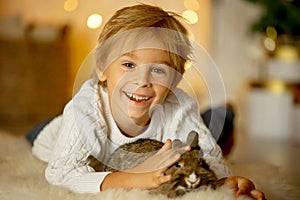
(273, 107)
(33, 77)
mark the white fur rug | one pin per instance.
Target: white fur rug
(22, 177)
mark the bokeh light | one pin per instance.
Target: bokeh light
(271, 32)
(190, 16)
(191, 4)
(94, 21)
(187, 65)
(276, 86)
(287, 53)
(70, 5)
(269, 44)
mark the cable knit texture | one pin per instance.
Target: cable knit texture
(87, 129)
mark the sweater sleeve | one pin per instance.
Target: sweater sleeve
(212, 153)
(68, 165)
(46, 140)
(82, 134)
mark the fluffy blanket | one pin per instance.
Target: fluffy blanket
(22, 177)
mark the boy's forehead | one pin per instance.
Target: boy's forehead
(130, 44)
(151, 55)
(141, 38)
(138, 42)
(159, 53)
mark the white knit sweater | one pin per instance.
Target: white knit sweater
(87, 129)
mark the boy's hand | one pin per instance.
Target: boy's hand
(152, 170)
(149, 174)
(243, 186)
(160, 161)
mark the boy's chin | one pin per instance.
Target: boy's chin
(139, 120)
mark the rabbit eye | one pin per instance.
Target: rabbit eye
(177, 164)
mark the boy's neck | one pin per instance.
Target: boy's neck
(133, 130)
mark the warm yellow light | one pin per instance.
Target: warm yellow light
(94, 21)
(191, 4)
(190, 16)
(276, 86)
(187, 65)
(287, 53)
(70, 5)
(269, 44)
(271, 32)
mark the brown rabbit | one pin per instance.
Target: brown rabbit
(189, 173)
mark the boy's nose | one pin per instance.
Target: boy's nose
(142, 77)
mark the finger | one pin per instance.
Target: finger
(166, 146)
(167, 152)
(232, 184)
(243, 190)
(163, 179)
(164, 158)
(184, 149)
(258, 195)
(168, 155)
(169, 160)
(244, 187)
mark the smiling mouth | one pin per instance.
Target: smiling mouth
(137, 98)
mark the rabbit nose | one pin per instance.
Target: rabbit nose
(192, 180)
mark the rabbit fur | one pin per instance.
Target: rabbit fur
(191, 172)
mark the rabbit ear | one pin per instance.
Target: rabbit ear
(201, 153)
(176, 143)
(192, 139)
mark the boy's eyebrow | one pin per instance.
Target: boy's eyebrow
(131, 55)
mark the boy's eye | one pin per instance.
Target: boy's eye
(158, 70)
(128, 65)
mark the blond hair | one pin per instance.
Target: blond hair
(147, 16)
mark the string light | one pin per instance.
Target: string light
(187, 65)
(94, 21)
(269, 44)
(70, 5)
(276, 86)
(190, 16)
(271, 32)
(191, 4)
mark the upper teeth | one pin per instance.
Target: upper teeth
(136, 97)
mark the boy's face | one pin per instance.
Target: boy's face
(136, 82)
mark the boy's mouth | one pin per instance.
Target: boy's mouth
(137, 98)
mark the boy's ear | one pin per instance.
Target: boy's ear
(176, 80)
(100, 74)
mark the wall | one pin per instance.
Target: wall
(234, 49)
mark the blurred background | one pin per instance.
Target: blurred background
(254, 43)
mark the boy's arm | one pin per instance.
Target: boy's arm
(69, 165)
(129, 180)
